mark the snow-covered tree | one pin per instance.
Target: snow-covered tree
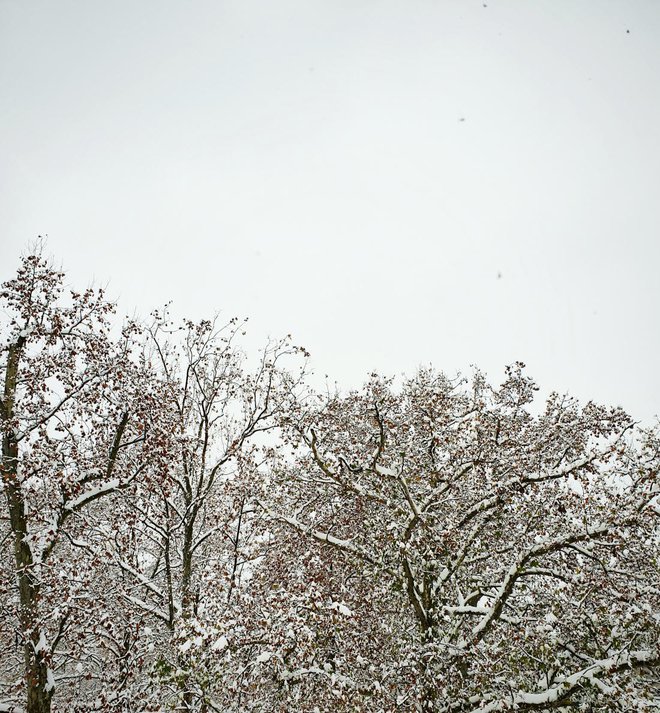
(184, 556)
(80, 422)
(190, 528)
(509, 558)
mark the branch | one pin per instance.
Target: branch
(414, 595)
(343, 545)
(58, 406)
(151, 609)
(563, 688)
(515, 571)
(381, 438)
(111, 486)
(140, 577)
(116, 444)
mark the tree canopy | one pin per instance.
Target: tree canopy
(190, 527)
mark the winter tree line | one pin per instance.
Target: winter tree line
(186, 527)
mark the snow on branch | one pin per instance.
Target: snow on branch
(562, 688)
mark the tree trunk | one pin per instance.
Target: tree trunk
(39, 693)
(35, 648)
(36, 651)
(188, 607)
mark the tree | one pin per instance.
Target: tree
(512, 558)
(81, 420)
(189, 529)
(184, 555)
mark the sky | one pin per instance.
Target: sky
(395, 184)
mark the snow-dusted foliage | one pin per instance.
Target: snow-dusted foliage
(492, 559)
(81, 422)
(189, 528)
(191, 543)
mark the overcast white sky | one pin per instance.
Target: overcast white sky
(395, 183)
